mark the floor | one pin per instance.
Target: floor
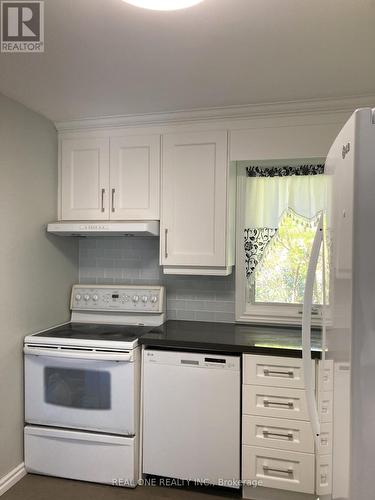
(33, 487)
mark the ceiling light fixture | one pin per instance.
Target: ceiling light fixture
(163, 4)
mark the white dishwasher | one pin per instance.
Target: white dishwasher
(191, 416)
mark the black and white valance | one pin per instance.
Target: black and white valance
(284, 170)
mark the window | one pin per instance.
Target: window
(279, 205)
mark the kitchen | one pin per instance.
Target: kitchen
(186, 295)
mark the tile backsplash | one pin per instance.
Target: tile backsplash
(133, 261)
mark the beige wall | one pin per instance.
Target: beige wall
(36, 270)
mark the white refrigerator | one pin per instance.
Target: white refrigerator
(347, 231)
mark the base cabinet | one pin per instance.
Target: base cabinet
(325, 448)
(278, 433)
(285, 470)
(324, 474)
(280, 459)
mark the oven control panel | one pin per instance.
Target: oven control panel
(123, 298)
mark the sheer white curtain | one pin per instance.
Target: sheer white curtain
(271, 194)
(267, 198)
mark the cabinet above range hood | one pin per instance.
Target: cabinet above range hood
(102, 228)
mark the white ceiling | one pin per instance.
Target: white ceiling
(105, 57)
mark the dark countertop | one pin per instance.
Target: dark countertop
(231, 337)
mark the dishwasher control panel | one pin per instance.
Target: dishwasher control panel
(193, 359)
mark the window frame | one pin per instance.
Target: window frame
(245, 310)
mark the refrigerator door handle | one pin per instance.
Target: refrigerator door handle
(306, 330)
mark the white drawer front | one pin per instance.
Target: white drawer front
(274, 402)
(323, 474)
(325, 403)
(279, 433)
(325, 438)
(326, 375)
(274, 371)
(284, 470)
(85, 456)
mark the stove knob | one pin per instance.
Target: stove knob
(95, 298)
(144, 298)
(86, 297)
(78, 297)
(154, 299)
(135, 298)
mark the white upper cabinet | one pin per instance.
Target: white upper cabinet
(85, 179)
(116, 178)
(135, 177)
(195, 210)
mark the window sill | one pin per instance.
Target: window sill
(274, 320)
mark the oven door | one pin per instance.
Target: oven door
(80, 389)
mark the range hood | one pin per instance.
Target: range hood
(102, 228)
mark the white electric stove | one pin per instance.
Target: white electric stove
(82, 385)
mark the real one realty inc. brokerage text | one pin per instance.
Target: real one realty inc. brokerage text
(170, 482)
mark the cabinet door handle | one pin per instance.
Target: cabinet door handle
(113, 199)
(268, 372)
(289, 404)
(289, 435)
(103, 193)
(288, 471)
(166, 243)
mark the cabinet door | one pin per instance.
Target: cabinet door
(135, 177)
(194, 199)
(85, 179)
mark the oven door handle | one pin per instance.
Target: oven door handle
(71, 354)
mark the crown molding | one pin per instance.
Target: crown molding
(312, 106)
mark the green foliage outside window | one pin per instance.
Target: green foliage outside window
(281, 275)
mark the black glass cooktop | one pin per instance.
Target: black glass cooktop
(89, 331)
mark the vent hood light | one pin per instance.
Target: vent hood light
(163, 4)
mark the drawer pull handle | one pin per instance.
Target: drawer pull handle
(266, 434)
(288, 471)
(289, 404)
(268, 372)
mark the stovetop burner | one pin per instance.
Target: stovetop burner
(90, 331)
